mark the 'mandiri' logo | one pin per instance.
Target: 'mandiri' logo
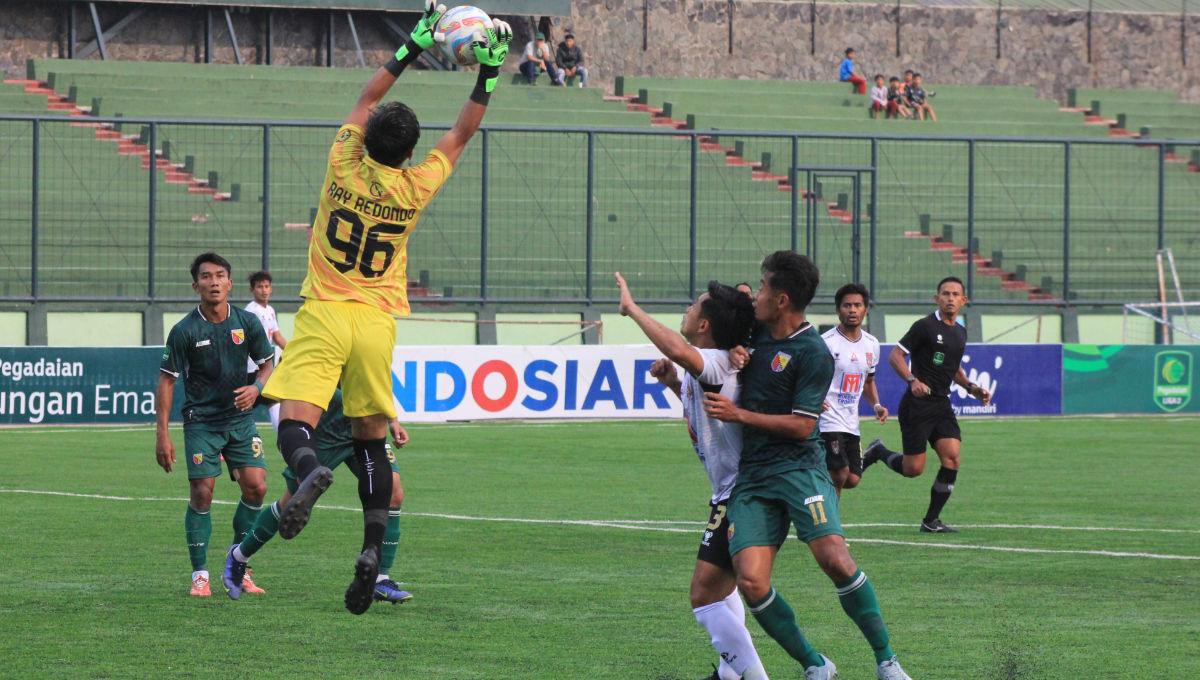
(1172, 380)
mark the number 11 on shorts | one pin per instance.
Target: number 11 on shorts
(816, 508)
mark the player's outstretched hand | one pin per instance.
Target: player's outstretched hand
(164, 452)
(491, 47)
(399, 434)
(881, 413)
(627, 304)
(424, 33)
(244, 397)
(721, 408)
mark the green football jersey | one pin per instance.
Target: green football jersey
(211, 357)
(333, 429)
(788, 376)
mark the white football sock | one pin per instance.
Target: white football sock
(754, 669)
(381, 578)
(731, 640)
(200, 572)
(237, 554)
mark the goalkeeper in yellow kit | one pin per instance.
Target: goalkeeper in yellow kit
(356, 284)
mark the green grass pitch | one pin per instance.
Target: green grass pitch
(1079, 558)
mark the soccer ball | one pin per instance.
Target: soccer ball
(460, 27)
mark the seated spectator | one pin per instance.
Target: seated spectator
(846, 73)
(917, 101)
(537, 59)
(879, 97)
(569, 59)
(895, 99)
(908, 77)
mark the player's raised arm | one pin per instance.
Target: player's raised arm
(490, 56)
(673, 345)
(420, 39)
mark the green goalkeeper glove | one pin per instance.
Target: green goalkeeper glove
(491, 54)
(421, 37)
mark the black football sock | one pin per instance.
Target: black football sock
(892, 459)
(298, 447)
(374, 489)
(940, 492)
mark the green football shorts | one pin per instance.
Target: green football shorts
(240, 445)
(760, 511)
(333, 457)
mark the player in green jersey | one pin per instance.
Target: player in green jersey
(782, 478)
(335, 445)
(209, 348)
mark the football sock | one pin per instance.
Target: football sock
(779, 621)
(297, 446)
(755, 670)
(729, 637)
(391, 542)
(860, 604)
(943, 486)
(264, 528)
(198, 528)
(243, 519)
(374, 489)
(893, 459)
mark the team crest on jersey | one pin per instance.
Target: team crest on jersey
(377, 190)
(780, 361)
(238, 335)
(197, 458)
(343, 136)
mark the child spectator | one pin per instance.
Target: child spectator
(917, 99)
(879, 97)
(895, 99)
(908, 78)
(569, 59)
(846, 73)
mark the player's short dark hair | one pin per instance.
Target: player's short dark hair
(916, 75)
(730, 314)
(392, 134)
(212, 258)
(851, 289)
(794, 274)
(894, 79)
(260, 276)
(951, 279)
(848, 51)
(878, 76)
(908, 71)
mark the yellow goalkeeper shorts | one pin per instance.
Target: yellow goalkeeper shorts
(347, 341)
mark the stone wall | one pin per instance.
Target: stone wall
(772, 39)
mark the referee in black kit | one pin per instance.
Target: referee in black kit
(936, 344)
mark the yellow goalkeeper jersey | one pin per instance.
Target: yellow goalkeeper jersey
(359, 248)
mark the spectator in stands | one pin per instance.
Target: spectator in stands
(879, 97)
(908, 77)
(895, 99)
(569, 60)
(846, 73)
(917, 101)
(537, 59)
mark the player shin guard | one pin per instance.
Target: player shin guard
(298, 447)
(943, 486)
(779, 621)
(374, 489)
(243, 519)
(391, 543)
(860, 604)
(198, 528)
(263, 530)
(730, 638)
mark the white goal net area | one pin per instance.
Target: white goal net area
(1167, 323)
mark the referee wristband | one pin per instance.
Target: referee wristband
(259, 386)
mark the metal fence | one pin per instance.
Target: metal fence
(545, 215)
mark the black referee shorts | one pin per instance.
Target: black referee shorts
(924, 421)
(843, 450)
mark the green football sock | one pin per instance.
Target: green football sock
(243, 519)
(859, 601)
(777, 618)
(391, 542)
(264, 528)
(198, 528)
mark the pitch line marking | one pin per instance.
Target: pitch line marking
(638, 525)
